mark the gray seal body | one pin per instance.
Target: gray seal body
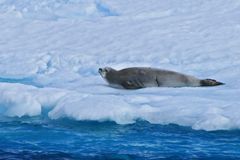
(141, 77)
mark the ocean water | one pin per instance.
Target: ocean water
(41, 138)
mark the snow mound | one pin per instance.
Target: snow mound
(56, 9)
(123, 107)
(24, 100)
(98, 108)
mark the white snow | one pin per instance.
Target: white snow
(50, 52)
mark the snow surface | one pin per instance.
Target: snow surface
(50, 52)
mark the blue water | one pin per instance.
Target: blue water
(26, 81)
(41, 138)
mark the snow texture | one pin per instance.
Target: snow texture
(50, 52)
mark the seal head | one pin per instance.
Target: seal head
(109, 74)
(103, 71)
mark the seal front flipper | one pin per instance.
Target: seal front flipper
(132, 85)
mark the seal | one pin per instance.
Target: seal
(142, 77)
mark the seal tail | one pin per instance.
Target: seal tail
(210, 82)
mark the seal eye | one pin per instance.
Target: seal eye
(107, 69)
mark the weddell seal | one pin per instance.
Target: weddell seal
(142, 77)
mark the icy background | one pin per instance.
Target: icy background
(50, 52)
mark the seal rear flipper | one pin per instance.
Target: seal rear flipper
(131, 85)
(210, 82)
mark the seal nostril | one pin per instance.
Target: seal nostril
(100, 70)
